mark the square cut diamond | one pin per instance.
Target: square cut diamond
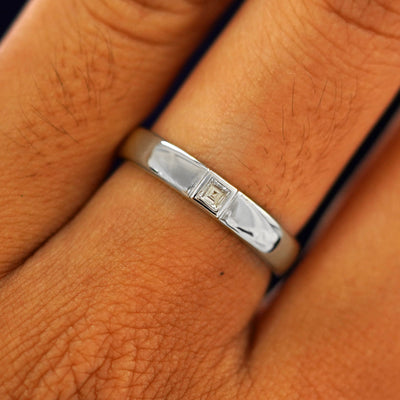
(213, 195)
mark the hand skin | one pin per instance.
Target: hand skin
(115, 290)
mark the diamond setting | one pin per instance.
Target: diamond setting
(213, 194)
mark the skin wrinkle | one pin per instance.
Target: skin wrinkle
(129, 35)
(361, 21)
(166, 7)
(104, 82)
(103, 358)
(93, 375)
(65, 102)
(55, 127)
(40, 360)
(66, 334)
(341, 46)
(328, 137)
(150, 12)
(29, 126)
(47, 112)
(353, 69)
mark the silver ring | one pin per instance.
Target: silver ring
(214, 194)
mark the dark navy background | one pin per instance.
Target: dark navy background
(9, 10)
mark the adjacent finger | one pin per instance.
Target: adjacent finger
(334, 331)
(75, 76)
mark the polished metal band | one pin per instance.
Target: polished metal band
(213, 194)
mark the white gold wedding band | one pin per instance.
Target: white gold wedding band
(212, 193)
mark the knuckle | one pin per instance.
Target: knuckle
(152, 22)
(354, 37)
(380, 17)
(76, 83)
(90, 64)
(165, 5)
